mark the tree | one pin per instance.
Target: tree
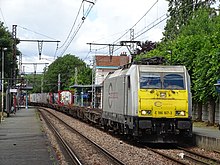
(34, 80)
(180, 11)
(66, 67)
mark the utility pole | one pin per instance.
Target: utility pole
(14, 32)
(13, 72)
(58, 82)
(20, 64)
(93, 83)
(3, 66)
(59, 89)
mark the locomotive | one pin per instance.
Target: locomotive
(151, 103)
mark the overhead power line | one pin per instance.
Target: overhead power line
(128, 30)
(162, 18)
(85, 14)
(152, 25)
(40, 42)
(136, 22)
(3, 16)
(158, 21)
(35, 32)
(72, 26)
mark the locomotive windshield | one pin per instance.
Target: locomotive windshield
(173, 81)
(161, 81)
(150, 80)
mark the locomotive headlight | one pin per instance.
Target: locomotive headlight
(180, 113)
(163, 95)
(145, 112)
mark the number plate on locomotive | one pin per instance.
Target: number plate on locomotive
(163, 112)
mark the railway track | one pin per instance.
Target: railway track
(187, 156)
(198, 158)
(85, 149)
(167, 156)
(71, 155)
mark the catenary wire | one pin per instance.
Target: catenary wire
(3, 17)
(153, 25)
(72, 25)
(136, 22)
(78, 27)
(130, 28)
(35, 32)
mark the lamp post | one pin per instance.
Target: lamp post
(3, 66)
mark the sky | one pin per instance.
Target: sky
(106, 22)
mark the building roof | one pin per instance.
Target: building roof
(113, 61)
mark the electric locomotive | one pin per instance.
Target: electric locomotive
(149, 102)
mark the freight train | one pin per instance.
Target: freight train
(151, 103)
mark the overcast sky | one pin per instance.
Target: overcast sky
(106, 23)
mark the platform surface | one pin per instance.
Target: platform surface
(22, 141)
(207, 131)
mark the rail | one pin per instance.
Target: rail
(107, 154)
(70, 152)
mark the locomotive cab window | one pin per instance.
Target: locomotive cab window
(150, 80)
(173, 81)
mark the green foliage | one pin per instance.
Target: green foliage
(5, 37)
(66, 66)
(199, 38)
(180, 12)
(34, 80)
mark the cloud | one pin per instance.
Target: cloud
(107, 22)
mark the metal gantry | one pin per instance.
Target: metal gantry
(40, 44)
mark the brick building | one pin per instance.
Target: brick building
(105, 64)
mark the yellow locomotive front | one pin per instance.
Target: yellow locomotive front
(164, 104)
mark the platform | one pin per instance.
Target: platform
(207, 137)
(23, 142)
